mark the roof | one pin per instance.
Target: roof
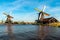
(50, 19)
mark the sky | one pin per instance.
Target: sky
(23, 10)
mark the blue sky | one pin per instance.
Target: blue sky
(23, 10)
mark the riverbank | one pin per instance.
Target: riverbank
(55, 24)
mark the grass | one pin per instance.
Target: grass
(56, 24)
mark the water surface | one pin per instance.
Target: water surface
(31, 32)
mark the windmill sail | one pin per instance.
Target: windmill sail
(46, 15)
(8, 15)
(44, 7)
(37, 9)
(5, 14)
(41, 14)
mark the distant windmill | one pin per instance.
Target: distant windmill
(41, 14)
(8, 20)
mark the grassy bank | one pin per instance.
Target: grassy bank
(55, 24)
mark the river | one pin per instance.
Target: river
(31, 32)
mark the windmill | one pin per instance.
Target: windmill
(8, 20)
(41, 14)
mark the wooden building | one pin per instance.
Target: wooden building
(47, 20)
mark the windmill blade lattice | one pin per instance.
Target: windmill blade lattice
(5, 13)
(44, 8)
(37, 9)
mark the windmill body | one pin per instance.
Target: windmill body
(9, 18)
(41, 17)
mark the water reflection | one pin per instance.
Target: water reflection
(10, 31)
(42, 32)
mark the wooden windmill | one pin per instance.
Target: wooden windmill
(41, 14)
(8, 20)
